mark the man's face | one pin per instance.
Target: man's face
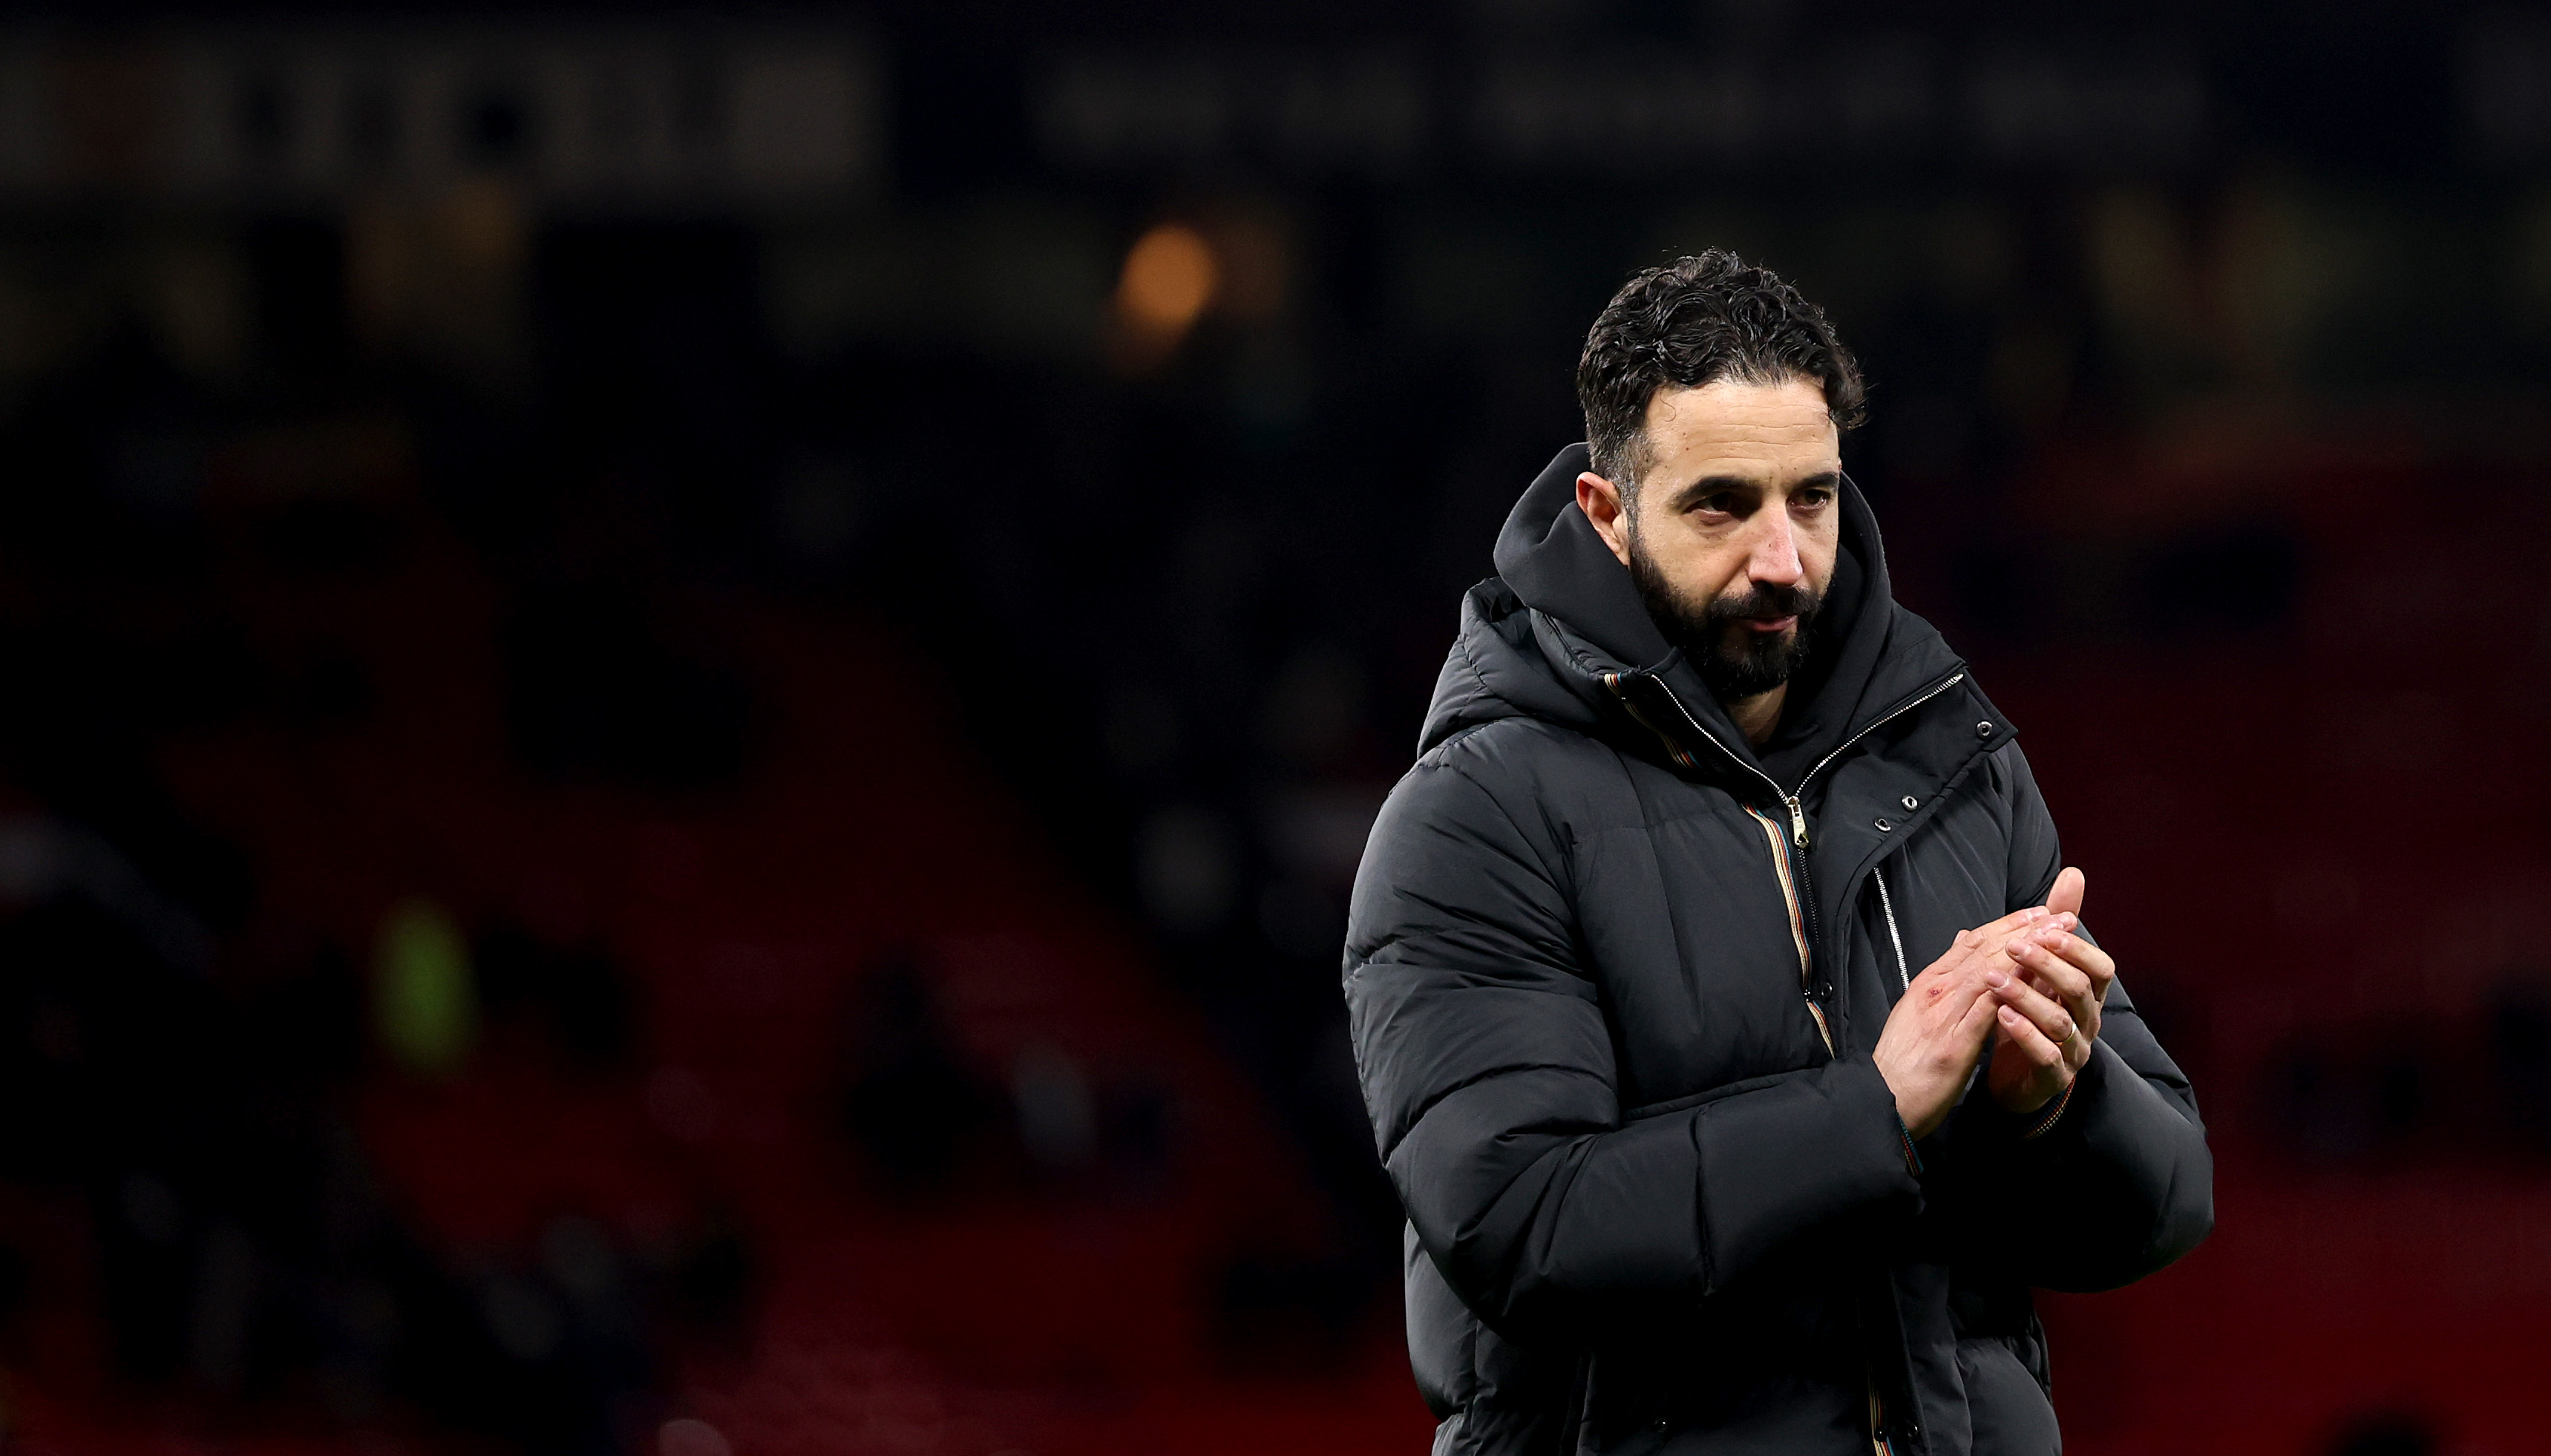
(1737, 520)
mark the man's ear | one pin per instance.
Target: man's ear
(1602, 504)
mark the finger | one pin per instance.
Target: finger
(2024, 1038)
(2049, 977)
(1991, 940)
(2030, 923)
(2044, 1011)
(2066, 895)
(1970, 1031)
(1963, 951)
(2089, 959)
(2061, 978)
(2004, 952)
(2001, 930)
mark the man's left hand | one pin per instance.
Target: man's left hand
(2051, 1014)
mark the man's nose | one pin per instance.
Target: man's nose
(1775, 558)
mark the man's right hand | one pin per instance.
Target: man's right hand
(1936, 1033)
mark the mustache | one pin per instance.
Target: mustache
(1762, 600)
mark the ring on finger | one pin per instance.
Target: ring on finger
(2070, 1030)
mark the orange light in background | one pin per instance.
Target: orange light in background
(1170, 276)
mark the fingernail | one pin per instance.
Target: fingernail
(1997, 980)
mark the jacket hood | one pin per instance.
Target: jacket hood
(1538, 639)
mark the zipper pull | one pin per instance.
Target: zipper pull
(1797, 822)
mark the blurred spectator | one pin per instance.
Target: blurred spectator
(2386, 1433)
(914, 1108)
(2519, 1043)
(580, 998)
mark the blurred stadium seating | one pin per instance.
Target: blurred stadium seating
(689, 700)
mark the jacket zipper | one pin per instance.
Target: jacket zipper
(1794, 886)
(1789, 802)
(1783, 871)
(1792, 866)
(1879, 1444)
(1798, 817)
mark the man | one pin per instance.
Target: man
(1719, 997)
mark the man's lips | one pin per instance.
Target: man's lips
(1769, 625)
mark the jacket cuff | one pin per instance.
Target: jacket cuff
(2045, 1119)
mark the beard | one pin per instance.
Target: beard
(1735, 660)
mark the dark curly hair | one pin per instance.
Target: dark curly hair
(1696, 320)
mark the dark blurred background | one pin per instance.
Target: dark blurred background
(687, 698)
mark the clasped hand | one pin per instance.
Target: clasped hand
(2025, 975)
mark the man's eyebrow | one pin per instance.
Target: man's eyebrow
(1710, 485)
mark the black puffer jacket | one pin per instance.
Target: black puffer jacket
(1614, 1027)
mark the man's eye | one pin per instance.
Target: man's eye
(1814, 498)
(1721, 503)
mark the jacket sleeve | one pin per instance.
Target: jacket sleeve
(1488, 1069)
(2122, 1182)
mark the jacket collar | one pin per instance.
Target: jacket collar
(1562, 635)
